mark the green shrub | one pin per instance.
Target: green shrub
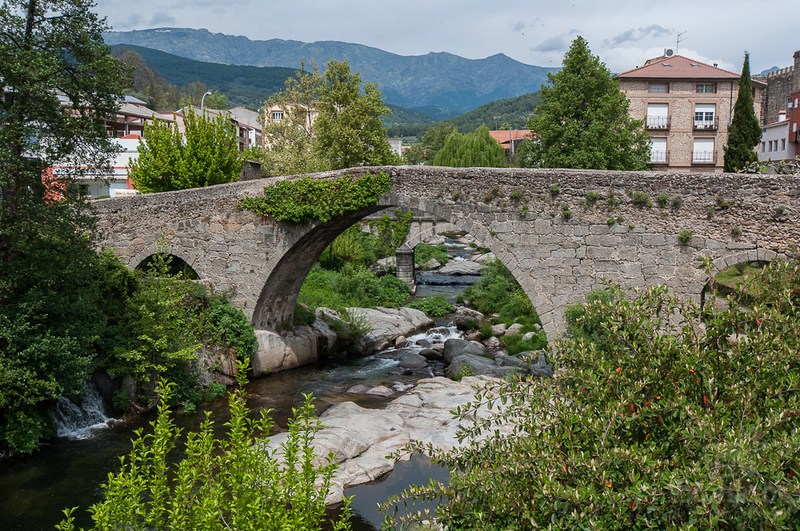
(353, 286)
(231, 327)
(233, 482)
(554, 190)
(516, 196)
(433, 306)
(662, 200)
(641, 199)
(685, 236)
(303, 316)
(736, 232)
(423, 253)
(592, 197)
(669, 422)
(514, 344)
(298, 201)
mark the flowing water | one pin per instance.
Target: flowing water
(69, 469)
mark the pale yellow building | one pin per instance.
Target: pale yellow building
(687, 107)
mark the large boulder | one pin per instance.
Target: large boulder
(464, 317)
(455, 347)
(484, 258)
(386, 324)
(460, 268)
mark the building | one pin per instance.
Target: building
(776, 141)
(781, 84)
(510, 140)
(278, 112)
(687, 107)
(244, 121)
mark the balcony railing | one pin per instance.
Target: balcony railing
(706, 125)
(704, 157)
(659, 157)
(657, 122)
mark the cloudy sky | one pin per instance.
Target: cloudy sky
(622, 32)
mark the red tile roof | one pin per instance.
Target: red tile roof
(516, 134)
(679, 67)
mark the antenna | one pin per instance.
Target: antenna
(678, 39)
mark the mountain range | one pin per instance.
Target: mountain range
(438, 84)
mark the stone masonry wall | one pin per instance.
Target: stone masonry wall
(539, 223)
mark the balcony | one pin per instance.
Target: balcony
(659, 157)
(704, 157)
(657, 123)
(708, 124)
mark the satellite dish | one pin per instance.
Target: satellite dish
(668, 52)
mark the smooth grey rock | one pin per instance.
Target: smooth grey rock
(463, 316)
(466, 267)
(474, 336)
(400, 342)
(431, 354)
(511, 361)
(484, 258)
(527, 336)
(492, 342)
(358, 389)
(455, 347)
(431, 264)
(287, 350)
(388, 323)
(478, 365)
(413, 361)
(424, 343)
(381, 390)
(514, 329)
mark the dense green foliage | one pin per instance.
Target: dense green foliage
(206, 154)
(424, 253)
(582, 120)
(433, 306)
(663, 415)
(53, 314)
(306, 199)
(477, 149)
(513, 112)
(352, 286)
(497, 291)
(390, 234)
(163, 80)
(744, 133)
(348, 131)
(432, 142)
(232, 482)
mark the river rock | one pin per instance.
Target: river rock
(432, 354)
(485, 258)
(361, 438)
(460, 268)
(424, 343)
(435, 240)
(514, 329)
(474, 336)
(413, 360)
(492, 342)
(498, 329)
(400, 342)
(386, 324)
(477, 365)
(527, 336)
(464, 317)
(510, 361)
(358, 389)
(431, 264)
(539, 364)
(381, 390)
(454, 347)
(285, 350)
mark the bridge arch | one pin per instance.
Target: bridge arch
(184, 256)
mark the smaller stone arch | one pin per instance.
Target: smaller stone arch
(414, 238)
(190, 259)
(739, 256)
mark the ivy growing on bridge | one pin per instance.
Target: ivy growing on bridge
(306, 199)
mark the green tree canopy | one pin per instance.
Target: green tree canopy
(745, 132)
(582, 120)
(208, 155)
(59, 83)
(477, 149)
(348, 131)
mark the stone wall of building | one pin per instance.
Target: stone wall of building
(780, 84)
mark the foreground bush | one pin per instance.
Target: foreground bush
(233, 482)
(663, 415)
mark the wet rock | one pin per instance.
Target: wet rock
(383, 345)
(431, 354)
(386, 324)
(474, 336)
(454, 347)
(413, 361)
(437, 335)
(424, 343)
(358, 389)
(460, 268)
(381, 390)
(400, 342)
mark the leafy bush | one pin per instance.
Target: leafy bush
(514, 344)
(306, 199)
(497, 291)
(679, 417)
(352, 287)
(233, 482)
(229, 324)
(662, 200)
(685, 236)
(641, 199)
(433, 306)
(423, 253)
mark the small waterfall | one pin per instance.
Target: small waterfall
(79, 421)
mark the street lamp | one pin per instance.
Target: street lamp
(203, 99)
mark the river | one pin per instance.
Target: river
(68, 472)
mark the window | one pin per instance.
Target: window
(795, 103)
(783, 144)
(794, 127)
(658, 150)
(704, 116)
(706, 88)
(657, 116)
(703, 151)
(658, 88)
(277, 116)
(763, 147)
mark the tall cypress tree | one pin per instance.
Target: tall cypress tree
(745, 131)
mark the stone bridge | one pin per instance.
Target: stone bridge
(558, 231)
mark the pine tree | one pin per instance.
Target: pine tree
(582, 120)
(745, 131)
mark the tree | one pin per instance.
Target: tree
(745, 132)
(208, 155)
(582, 120)
(348, 131)
(289, 134)
(476, 149)
(52, 317)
